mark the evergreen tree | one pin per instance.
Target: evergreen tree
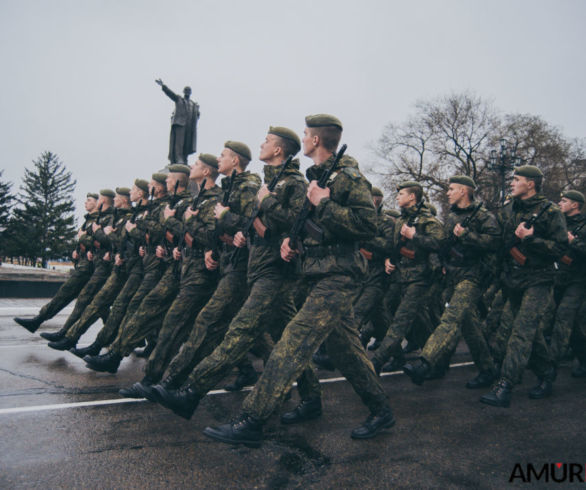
(44, 225)
(6, 199)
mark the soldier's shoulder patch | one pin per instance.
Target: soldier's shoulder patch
(352, 172)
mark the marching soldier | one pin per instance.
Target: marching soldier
(534, 236)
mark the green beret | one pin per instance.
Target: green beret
(409, 183)
(209, 159)
(530, 171)
(179, 168)
(159, 177)
(320, 120)
(107, 193)
(142, 184)
(574, 196)
(93, 195)
(287, 134)
(123, 191)
(393, 212)
(239, 148)
(463, 180)
(376, 192)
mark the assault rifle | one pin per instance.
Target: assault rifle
(568, 258)
(254, 221)
(453, 250)
(303, 216)
(517, 255)
(225, 201)
(400, 248)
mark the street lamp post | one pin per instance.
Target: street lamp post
(504, 162)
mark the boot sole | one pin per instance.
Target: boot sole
(212, 434)
(300, 420)
(415, 378)
(495, 404)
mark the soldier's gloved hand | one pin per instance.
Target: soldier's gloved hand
(389, 267)
(168, 212)
(90, 256)
(75, 255)
(210, 263)
(523, 232)
(459, 229)
(160, 252)
(315, 193)
(118, 260)
(287, 253)
(239, 239)
(176, 253)
(141, 251)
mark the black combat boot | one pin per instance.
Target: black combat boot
(107, 363)
(306, 410)
(410, 347)
(137, 390)
(418, 370)
(247, 376)
(183, 402)
(91, 350)
(63, 344)
(374, 424)
(244, 429)
(500, 395)
(396, 364)
(484, 379)
(579, 371)
(375, 345)
(31, 324)
(54, 336)
(544, 388)
(322, 360)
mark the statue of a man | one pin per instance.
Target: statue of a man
(183, 124)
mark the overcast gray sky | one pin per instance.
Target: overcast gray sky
(78, 76)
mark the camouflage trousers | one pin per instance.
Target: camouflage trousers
(459, 318)
(403, 321)
(118, 309)
(526, 345)
(268, 294)
(210, 325)
(148, 316)
(327, 313)
(196, 287)
(568, 300)
(100, 305)
(578, 338)
(68, 291)
(384, 312)
(99, 277)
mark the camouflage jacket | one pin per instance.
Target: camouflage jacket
(375, 250)
(541, 249)
(173, 225)
(572, 264)
(133, 239)
(154, 232)
(97, 241)
(412, 256)
(472, 255)
(277, 212)
(241, 204)
(346, 218)
(83, 244)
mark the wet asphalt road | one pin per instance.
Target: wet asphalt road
(444, 438)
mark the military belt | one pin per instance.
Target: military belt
(325, 250)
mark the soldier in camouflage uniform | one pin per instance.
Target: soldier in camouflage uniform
(81, 273)
(149, 315)
(101, 302)
(528, 266)
(197, 282)
(213, 319)
(270, 283)
(417, 234)
(570, 279)
(129, 257)
(473, 236)
(96, 243)
(332, 264)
